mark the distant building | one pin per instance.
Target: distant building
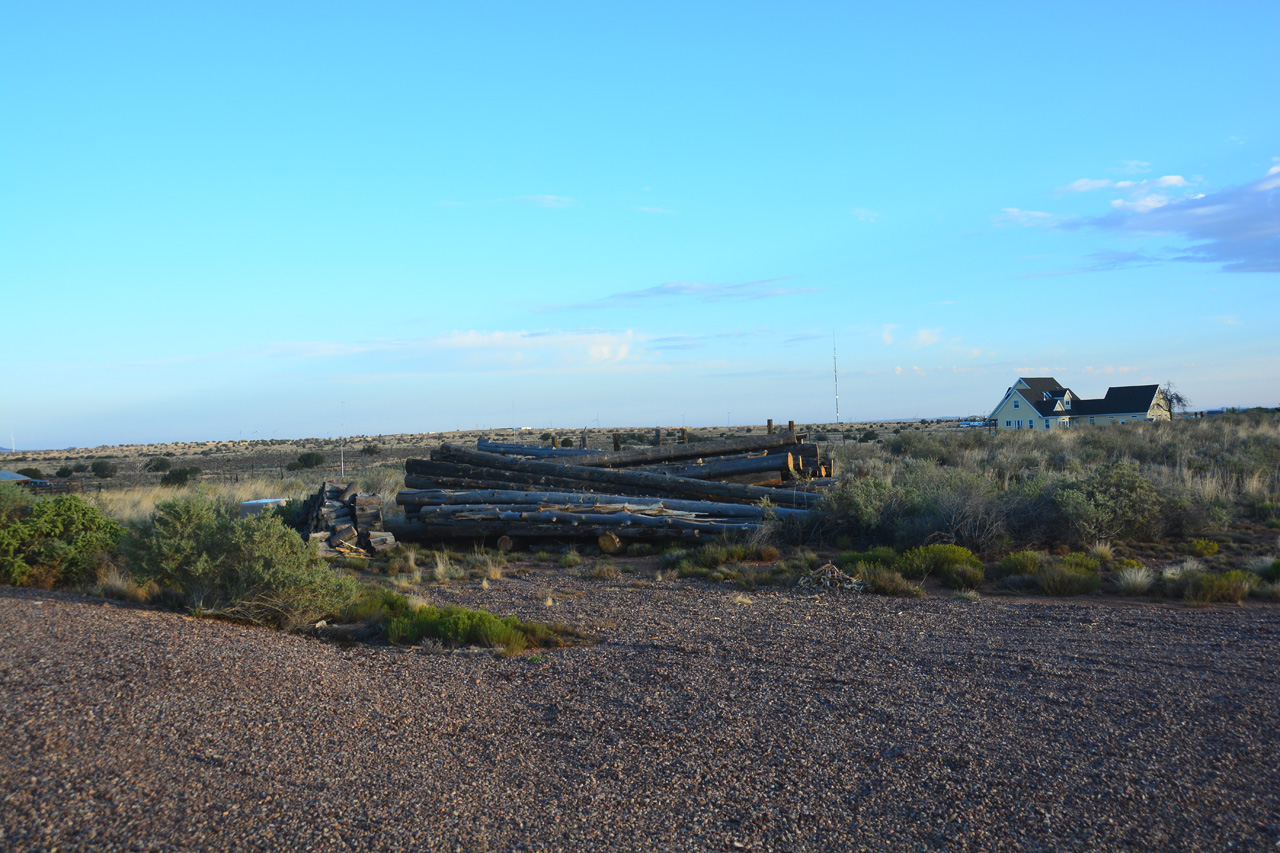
(1039, 402)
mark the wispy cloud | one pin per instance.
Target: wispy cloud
(862, 214)
(686, 342)
(749, 291)
(927, 337)
(1237, 227)
(657, 210)
(802, 338)
(1102, 262)
(1025, 218)
(1140, 196)
(1229, 319)
(886, 332)
(553, 201)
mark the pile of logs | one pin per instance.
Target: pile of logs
(345, 520)
(676, 491)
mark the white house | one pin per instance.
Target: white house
(1039, 402)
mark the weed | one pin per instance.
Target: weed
(967, 595)
(1021, 563)
(1202, 547)
(570, 560)
(961, 576)
(768, 554)
(1102, 551)
(1267, 591)
(885, 581)
(1083, 563)
(604, 570)
(919, 562)
(1134, 580)
(741, 598)
(712, 556)
(883, 556)
(1060, 579)
(1229, 587)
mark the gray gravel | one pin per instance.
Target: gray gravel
(698, 724)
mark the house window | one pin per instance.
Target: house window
(1015, 404)
(1046, 423)
(1018, 423)
(1092, 419)
(1007, 423)
(1031, 424)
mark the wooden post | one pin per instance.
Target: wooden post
(657, 437)
(584, 439)
(791, 426)
(617, 441)
(684, 435)
(555, 441)
(770, 425)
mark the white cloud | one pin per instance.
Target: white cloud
(655, 210)
(897, 371)
(918, 370)
(1133, 166)
(927, 337)
(1025, 218)
(1172, 181)
(1230, 319)
(864, 215)
(553, 201)
(886, 332)
(1141, 204)
(1084, 185)
(704, 291)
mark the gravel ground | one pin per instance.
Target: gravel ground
(698, 723)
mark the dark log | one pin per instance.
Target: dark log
(763, 478)
(528, 449)
(778, 465)
(348, 492)
(675, 452)
(609, 542)
(682, 486)
(408, 498)
(368, 500)
(417, 531)
(426, 474)
(505, 543)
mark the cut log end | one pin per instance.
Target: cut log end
(505, 543)
(609, 542)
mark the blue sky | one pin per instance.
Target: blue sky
(314, 219)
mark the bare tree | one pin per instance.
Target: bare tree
(1175, 400)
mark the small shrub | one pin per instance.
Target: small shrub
(33, 473)
(159, 465)
(103, 469)
(1267, 591)
(885, 581)
(961, 576)
(1179, 579)
(570, 560)
(712, 556)
(881, 556)
(64, 472)
(370, 449)
(1063, 580)
(1203, 547)
(604, 570)
(1102, 551)
(48, 543)
(180, 476)
(1134, 580)
(1229, 587)
(79, 467)
(768, 554)
(918, 563)
(1020, 563)
(672, 557)
(309, 460)
(1080, 563)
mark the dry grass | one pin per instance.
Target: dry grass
(1134, 580)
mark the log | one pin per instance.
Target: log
(674, 452)
(609, 542)
(505, 543)
(425, 474)
(779, 465)
(419, 532)
(436, 497)
(348, 492)
(681, 486)
(529, 449)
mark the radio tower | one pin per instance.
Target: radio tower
(835, 372)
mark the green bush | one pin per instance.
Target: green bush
(80, 467)
(1059, 579)
(1203, 547)
(570, 560)
(881, 556)
(370, 449)
(1113, 502)
(1230, 587)
(309, 460)
(254, 569)
(458, 626)
(64, 471)
(33, 473)
(1080, 563)
(102, 469)
(1021, 563)
(159, 465)
(961, 576)
(712, 556)
(179, 476)
(918, 563)
(882, 580)
(51, 542)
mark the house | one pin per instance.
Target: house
(1039, 402)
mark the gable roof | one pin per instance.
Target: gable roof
(1036, 386)
(1043, 393)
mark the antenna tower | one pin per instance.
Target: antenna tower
(835, 373)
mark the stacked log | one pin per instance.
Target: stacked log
(676, 491)
(344, 520)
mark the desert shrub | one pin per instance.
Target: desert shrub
(856, 507)
(159, 465)
(961, 576)
(768, 554)
(712, 556)
(311, 459)
(672, 557)
(1179, 579)
(570, 560)
(1267, 591)
(253, 569)
(641, 549)
(918, 563)
(604, 570)
(1230, 587)
(80, 467)
(1059, 579)
(370, 449)
(180, 476)
(1102, 551)
(1272, 572)
(1134, 580)
(457, 626)
(1114, 501)
(33, 473)
(881, 556)
(1079, 563)
(1203, 547)
(885, 581)
(102, 469)
(1020, 563)
(64, 471)
(51, 542)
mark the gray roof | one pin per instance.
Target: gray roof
(12, 477)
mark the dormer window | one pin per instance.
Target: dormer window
(1066, 401)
